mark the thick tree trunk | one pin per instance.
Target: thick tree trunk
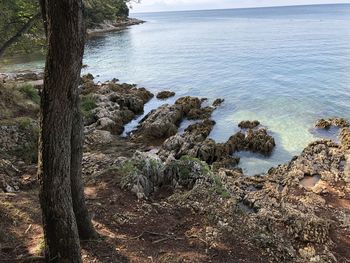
(62, 76)
(24, 29)
(85, 227)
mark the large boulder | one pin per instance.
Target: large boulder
(160, 123)
(258, 141)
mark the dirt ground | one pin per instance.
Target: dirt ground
(130, 230)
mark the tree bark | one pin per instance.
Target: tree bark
(85, 227)
(62, 75)
(24, 29)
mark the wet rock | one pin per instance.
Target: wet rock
(187, 103)
(201, 113)
(165, 95)
(248, 124)
(258, 141)
(163, 122)
(336, 122)
(194, 143)
(217, 102)
(188, 142)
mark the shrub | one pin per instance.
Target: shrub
(30, 93)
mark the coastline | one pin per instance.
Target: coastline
(294, 213)
(110, 26)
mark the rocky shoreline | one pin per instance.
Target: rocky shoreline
(297, 212)
(110, 26)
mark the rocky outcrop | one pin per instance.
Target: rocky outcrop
(160, 123)
(165, 95)
(164, 121)
(112, 105)
(336, 122)
(257, 141)
(145, 173)
(24, 76)
(248, 124)
(194, 142)
(217, 102)
(110, 26)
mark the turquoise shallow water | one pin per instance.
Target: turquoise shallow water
(285, 67)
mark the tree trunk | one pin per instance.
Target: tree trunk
(85, 227)
(62, 75)
(24, 29)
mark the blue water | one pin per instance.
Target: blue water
(285, 67)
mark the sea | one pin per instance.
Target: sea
(284, 66)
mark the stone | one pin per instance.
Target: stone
(165, 95)
(217, 102)
(248, 124)
(327, 123)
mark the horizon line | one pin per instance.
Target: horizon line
(230, 8)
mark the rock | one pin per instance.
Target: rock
(115, 105)
(254, 140)
(327, 123)
(188, 103)
(145, 172)
(345, 138)
(248, 124)
(307, 252)
(165, 94)
(217, 102)
(163, 122)
(160, 123)
(202, 113)
(96, 137)
(194, 143)
(19, 137)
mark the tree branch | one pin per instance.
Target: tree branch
(22, 31)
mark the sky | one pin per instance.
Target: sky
(174, 5)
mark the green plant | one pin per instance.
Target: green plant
(30, 93)
(88, 103)
(219, 187)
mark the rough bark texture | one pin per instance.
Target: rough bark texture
(62, 75)
(85, 227)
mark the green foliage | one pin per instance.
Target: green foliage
(14, 14)
(219, 187)
(30, 92)
(98, 11)
(88, 103)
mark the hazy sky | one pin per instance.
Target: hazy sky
(171, 5)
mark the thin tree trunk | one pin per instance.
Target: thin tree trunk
(24, 29)
(62, 76)
(85, 227)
